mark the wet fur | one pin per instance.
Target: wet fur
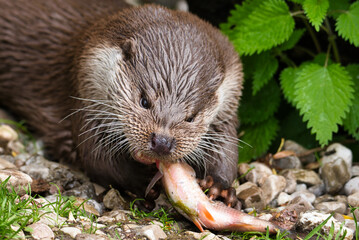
(76, 71)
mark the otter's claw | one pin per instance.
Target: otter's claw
(216, 191)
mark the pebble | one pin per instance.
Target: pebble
(308, 196)
(152, 232)
(72, 231)
(251, 195)
(352, 186)
(354, 171)
(311, 219)
(283, 198)
(290, 180)
(272, 186)
(335, 174)
(329, 207)
(259, 173)
(206, 235)
(309, 177)
(85, 191)
(5, 164)
(288, 162)
(338, 151)
(114, 200)
(7, 134)
(353, 199)
(87, 236)
(51, 219)
(300, 205)
(41, 231)
(36, 171)
(18, 180)
(317, 190)
(298, 149)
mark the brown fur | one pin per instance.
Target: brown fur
(108, 58)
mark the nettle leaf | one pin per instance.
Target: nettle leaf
(269, 25)
(348, 24)
(323, 96)
(335, 7)
(260, 107)
(351, 122)
(237, 15)
(265, 67)
(316, 11)
(259, 137)
(287, 82)
(293, 40)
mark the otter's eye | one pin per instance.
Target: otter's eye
(190, 119)
(144, 103)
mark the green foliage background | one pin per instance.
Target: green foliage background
(293, 88)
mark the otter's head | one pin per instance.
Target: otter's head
(158, 79)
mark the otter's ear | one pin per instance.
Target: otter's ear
(128, 47)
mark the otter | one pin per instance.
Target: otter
(113, 88)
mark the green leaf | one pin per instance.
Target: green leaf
(321, 58)
(316, 11)
(298, 1)
(260, 107)
(323, 96)
(287, 82)
(335, 7)
(265, 67)
(293, 40)
(348, 24)
(237, 15)
(259, 137)
(351, 122)
(269, 24)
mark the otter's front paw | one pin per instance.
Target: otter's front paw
(217, 192)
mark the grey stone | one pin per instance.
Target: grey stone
(311, 219)
(288, 162)
(337, 151)
(301, 187)
(298, 149)
(206, 235)
(18, 180)
(299, 204)
(5, 164)
(152, 232)
(283, 198)
(317, 190)
(352, 186)
(114, 200)
(85, 190)
(272, 186)
(41, 231)
(310, 197)
(290, 180)
(7, 134)
(72, 231)
(87, 236)
(36, 171)
(259, 173)
(353, 199)
(251, 195)
(329, 207)
(309, 177)
(335, 174)
(354, 171)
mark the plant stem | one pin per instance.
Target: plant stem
(327, 57)
(312, 35)
(331, 39)
(284, 58)
(296, 13)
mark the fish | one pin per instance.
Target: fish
(186, 196)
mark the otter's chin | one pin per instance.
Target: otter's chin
(142, 158)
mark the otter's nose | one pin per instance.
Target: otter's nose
(161, 144)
